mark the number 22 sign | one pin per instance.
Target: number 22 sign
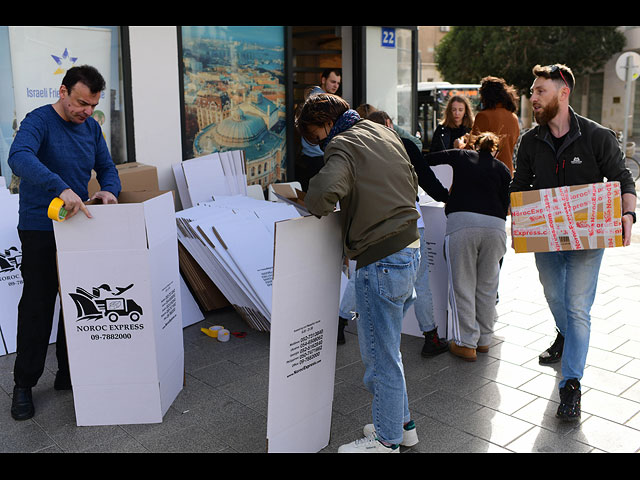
(388, 38)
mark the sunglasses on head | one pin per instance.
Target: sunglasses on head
(556, 68)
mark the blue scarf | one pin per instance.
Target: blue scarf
(344, 122)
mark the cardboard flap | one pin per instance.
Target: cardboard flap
(291, 195)
(113, 227)
(160, 219)
(204, 177)
(139, 196)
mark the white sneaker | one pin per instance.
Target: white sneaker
(409, 437)
(368, 444)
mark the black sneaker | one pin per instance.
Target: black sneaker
(433, 345)
(569, 408)
(553, 354)
(342, 322)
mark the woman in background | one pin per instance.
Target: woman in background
(458, 120)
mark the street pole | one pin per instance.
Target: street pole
(627, 102)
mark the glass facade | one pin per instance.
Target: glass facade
(34, 60)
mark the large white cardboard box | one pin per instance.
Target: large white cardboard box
(10, 275)
(306, 297)
(120, 290)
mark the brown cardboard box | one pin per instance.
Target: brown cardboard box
(134, 177)
(577, 217)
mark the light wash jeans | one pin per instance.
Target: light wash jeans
(569, 279)
(423, 307)
(384, 291)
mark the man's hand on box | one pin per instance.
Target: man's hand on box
(629, 201)
(627, 223)
(73, 203)
(105, 197)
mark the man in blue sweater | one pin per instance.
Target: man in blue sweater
(53, 153)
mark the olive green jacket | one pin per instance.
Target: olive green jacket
(368, 171)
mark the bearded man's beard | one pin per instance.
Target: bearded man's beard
(545, 115)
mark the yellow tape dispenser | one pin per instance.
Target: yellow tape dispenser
(56, 210)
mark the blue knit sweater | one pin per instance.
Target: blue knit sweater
(50, 155)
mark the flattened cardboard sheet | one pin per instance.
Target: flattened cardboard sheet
(306, 296)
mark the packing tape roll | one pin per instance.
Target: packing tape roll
(56, 210)
(215, 330)
(223, 335)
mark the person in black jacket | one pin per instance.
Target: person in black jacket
(568, 149)
(457, 121)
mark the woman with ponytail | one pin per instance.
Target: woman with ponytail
(475, 240)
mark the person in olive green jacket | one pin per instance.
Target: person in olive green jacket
(368, 173)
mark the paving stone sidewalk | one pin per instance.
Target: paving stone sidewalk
(504, 402)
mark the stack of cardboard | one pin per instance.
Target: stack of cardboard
(208, 296)
(199, 179)
(231, 238)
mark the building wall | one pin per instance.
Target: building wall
(156, 99)
(428, 39)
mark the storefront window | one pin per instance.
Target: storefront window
(234, 96)
(33, 61)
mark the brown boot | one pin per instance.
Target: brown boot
(466, 353)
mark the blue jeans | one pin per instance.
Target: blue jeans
(348, 302)
(423, 307)
(569, 279)
(384, 291)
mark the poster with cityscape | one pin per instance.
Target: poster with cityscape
(234, 96)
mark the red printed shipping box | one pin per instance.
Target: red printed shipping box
(577, 217)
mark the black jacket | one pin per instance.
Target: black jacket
(443, 137)
(426, 178)
(589, 153)
(480, 182)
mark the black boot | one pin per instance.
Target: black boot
(553, 354)
(22, 403)
(342, 322)
(433, 345)
(570, 398)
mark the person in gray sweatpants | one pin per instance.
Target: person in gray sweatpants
(474, 245)
(475, 240)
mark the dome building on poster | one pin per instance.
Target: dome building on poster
(240, 130)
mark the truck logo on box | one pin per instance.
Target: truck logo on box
(113, 305)
(10, 259)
